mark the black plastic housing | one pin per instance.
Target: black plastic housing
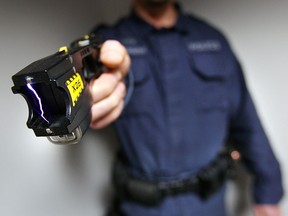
(55, 89)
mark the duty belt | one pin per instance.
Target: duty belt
(151, 193)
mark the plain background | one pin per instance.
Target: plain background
(38, 178)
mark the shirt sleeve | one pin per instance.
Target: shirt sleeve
(248, 135)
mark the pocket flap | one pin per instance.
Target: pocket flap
(210, 65)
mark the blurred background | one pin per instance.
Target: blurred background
(38, 178)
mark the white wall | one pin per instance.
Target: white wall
(38, 178)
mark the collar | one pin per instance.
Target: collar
(144, 28)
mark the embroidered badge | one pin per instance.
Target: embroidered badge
(204, 46)
(133, 46)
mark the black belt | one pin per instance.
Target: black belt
(204, 184)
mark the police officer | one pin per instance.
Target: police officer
(189, 98)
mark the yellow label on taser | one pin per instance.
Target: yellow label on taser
(75, 86)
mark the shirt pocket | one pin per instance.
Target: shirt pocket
(211, 71)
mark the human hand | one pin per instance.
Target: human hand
(267, 210)
(108, 91)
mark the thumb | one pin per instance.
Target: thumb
(112, 54)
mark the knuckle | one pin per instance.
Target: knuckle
(122, 88)
(114, 101)
(106, 91)
(117, 112)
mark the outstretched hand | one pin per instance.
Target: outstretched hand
(108, 91)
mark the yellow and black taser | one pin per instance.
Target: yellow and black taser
(56, 91)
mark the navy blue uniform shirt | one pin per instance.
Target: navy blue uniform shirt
(189, 97)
